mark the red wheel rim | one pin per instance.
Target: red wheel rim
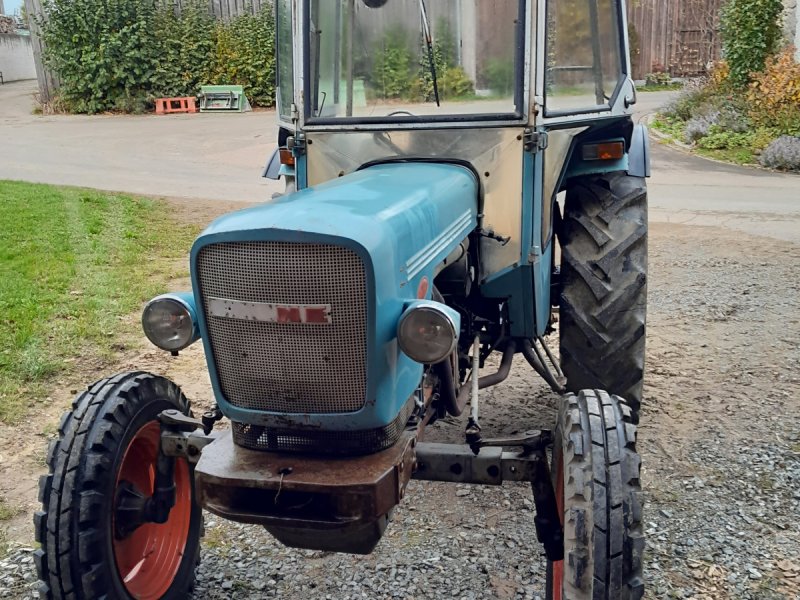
(148, 560)
(558, 566)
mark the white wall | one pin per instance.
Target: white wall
(16, 57)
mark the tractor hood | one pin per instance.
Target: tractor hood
(400, 219)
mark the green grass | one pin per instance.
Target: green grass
(73, 263)
(666, 87)
(674, 128)
(7, 511)
(738, 156)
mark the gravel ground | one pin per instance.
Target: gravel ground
(720, 442)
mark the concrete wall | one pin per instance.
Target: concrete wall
(16, 57)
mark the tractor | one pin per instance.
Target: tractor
(463, 178)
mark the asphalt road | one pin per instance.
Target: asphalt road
(688, 189)
(220, 157)
(208, 156)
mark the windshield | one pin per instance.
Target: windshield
(405, 58)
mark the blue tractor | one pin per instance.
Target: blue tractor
(463, 178)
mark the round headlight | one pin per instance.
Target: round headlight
(426, 334)
(168, 324)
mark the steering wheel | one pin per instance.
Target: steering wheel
(401, 112)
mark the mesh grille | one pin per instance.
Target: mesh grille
(257, 437)
(288, 367)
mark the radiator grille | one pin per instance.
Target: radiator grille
(257, 437)
(288, 367)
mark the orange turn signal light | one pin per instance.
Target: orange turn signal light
(287, 158)
(604, 151)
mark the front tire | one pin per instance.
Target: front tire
(595, 472)
(109, 440)
(603, 304)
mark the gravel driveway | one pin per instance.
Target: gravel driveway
(720, 433)
(720, 442)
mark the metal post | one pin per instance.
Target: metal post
(597, 63)
(476, 362)
(351, 25)
(337, 57)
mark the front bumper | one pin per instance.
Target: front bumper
(321, 503)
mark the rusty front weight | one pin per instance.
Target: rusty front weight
(338, 504)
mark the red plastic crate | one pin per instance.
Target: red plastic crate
(166, 106)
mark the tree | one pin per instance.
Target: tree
(751, 32)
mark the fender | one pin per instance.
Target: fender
(639, 153)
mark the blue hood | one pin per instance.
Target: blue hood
(402, 219)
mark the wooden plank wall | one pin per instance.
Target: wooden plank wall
(48, 81)
(226, 9)
(679, 36)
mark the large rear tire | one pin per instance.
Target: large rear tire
(109, 442)
(603, 304)
(595, 472)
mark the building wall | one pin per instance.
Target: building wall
(16, 57)
(791, 24)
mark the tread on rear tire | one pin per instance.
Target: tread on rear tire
(603, 303)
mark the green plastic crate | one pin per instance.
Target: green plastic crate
(225, 98)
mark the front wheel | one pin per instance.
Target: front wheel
(107, 450)
(595, 472)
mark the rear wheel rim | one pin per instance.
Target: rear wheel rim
(148, 560)
(558, 565)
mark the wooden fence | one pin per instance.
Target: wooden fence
(48, 81)
(677, 36)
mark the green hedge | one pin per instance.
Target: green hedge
(751, 32)
(119, 55)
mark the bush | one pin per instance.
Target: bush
(687, 102)
(718, 139)
(783, 153)
(499, 76)
(186, 48)
(104, 51)
(391, 73)
(751, 32)
(657, 78)
(455, 84)
(699, 127)
(121, 54)
(245, 55)
(774, 94)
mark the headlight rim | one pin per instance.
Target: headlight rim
(439, 310)
(188, 311)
